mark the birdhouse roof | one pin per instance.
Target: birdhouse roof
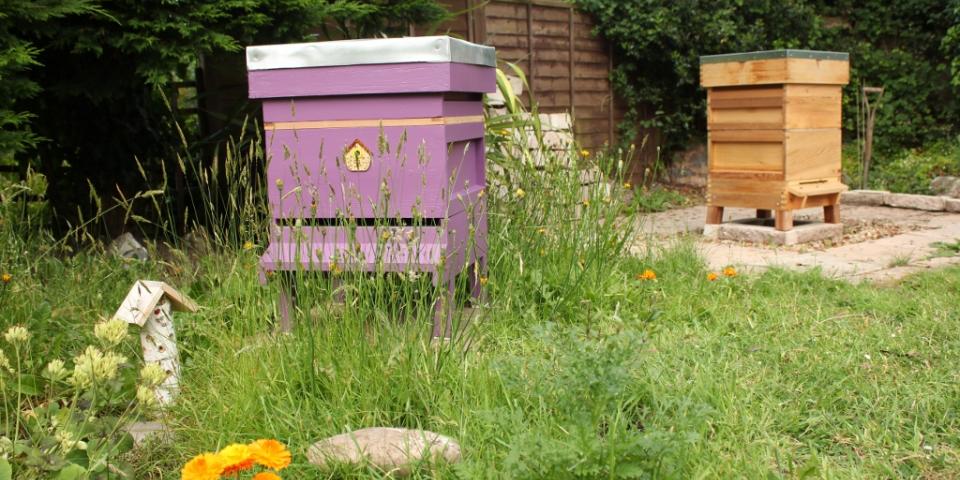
(144, 297)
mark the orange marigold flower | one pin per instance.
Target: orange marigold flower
(730, 272)
(270, 454)
(266, 476)
(647, 275)
(712, 276)
(236, 458)
(6, 277)
(206, 466)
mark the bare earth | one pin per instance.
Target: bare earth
(880, 243)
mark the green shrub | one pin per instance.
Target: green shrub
(907, 171)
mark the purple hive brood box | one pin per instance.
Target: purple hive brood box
(375, 156)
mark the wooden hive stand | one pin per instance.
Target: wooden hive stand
(773, 123)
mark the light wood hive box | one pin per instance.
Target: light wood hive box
(773, 123)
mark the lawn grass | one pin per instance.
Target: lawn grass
(572, 367)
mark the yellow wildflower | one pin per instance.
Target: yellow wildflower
(270, 454)
(627, 185)
(206, 466)
(236, 458)
(248, 245)
(483, 281)
(712, 276)
(585, 152)
(730, 272)
(519, 193)
(6, 278)
(17, 335)
(110, 332)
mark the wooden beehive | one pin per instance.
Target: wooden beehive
(773, 122)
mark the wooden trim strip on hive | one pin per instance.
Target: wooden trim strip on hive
(391, 122)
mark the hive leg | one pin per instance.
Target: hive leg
(761, 213)
(714, 215)
(784, 220)
(286, 303)
(831, 213)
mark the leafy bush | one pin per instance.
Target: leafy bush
(907, 171)
(902, 46)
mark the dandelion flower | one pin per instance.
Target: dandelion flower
(17, 335)
(647, 274)
(110, 332)
(6, 278)
(236, 458)
(206, 466)
(55, 370)
(248, 245)
(519, 193)
(730, 272)
(152, 374)
(627, 185)
(483, 281)
(270, 454)
(712, 276)
(266, 476)
(585, 152)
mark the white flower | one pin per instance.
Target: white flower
(17, 335)
(56, 370)
(93, 366)
(5, 362)
(152, 374)
(146, 397)
(68, 441)
(110, 332)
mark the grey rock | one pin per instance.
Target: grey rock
(915, 202)
(863, 197)
(947, 186)
(392, 450)
(125, 246)
(952, 205)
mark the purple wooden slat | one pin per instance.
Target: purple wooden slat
(353, 107)
(406, 78)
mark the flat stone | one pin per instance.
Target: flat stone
(393, 450)
(143, 431)
(863, 197)
(915, 202)
(952, 205)
(762, 231)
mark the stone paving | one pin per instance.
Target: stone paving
(888, 258)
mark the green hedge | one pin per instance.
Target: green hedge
(907, 47)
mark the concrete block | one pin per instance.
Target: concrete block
(952, 205)
(863, 197)
(915, 202)
(762, 231)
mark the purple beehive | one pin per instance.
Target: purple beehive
(375, 156)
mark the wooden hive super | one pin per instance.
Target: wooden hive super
(773, 122)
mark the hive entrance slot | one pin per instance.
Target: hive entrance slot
(360, 222)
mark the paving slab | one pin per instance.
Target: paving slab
(877, 259)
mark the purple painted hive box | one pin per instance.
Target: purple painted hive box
(375, 153)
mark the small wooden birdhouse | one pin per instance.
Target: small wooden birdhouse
(150, 305)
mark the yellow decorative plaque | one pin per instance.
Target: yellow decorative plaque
(357, 157)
